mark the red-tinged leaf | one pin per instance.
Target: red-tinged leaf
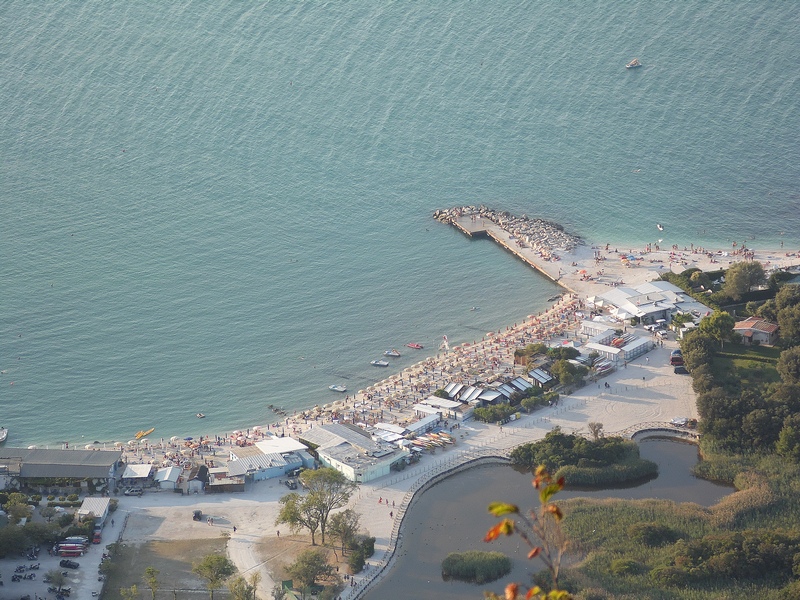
(498, 509)
(555, 511)
(511, 591)
(561, 482)
(504, 527)
(534, 553)
(533, 592)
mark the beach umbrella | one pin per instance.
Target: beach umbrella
(143, 441)
(132, 442)
(188, 439)
(174, 438)
(118, 444)
(89, 446)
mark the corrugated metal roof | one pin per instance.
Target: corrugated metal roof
(71, 464)
(96, 506)
(255, 462)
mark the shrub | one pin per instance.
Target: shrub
(65, 519)
(72, 498)
(51, 497)
(652, 534)
(356, 562)
(669, 576)
(626, 566)
(475, 566)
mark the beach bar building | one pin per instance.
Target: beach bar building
(168, 477)
(93, 470)
(352, 451)
(268, 458)
(649, 302)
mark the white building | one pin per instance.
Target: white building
(649, 302)
(353, 451)
(167, 478)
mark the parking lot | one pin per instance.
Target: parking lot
(82, 581)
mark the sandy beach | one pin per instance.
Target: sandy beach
(644, 393)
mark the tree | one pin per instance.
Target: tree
(718, 326)
(700, 279)
(596, 429)
(787, 296)
(788, 366)
(742, 277)
(568, 373)
(56, 578)
(698, 349)
(240, 589)
(255, 579)
(328, 490)
(215, 569)
(278, 592)
(151, 579)
(344, 526)
(788, 444)
(47, 512)
(310, 566)
(131, 593)
(789, 323)
(299, 513)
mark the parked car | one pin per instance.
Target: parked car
(676, 361)
(69, 564)
(681, 370)
(133, 491)
(676, 352)
(291, 484)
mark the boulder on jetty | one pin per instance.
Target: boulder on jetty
(539, 233)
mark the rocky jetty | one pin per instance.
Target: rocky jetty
(539, 234)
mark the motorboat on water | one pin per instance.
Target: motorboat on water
(633, 64)
(337, 388)
(660, 226)
(415, 346)
(3, 434)
(393, 353)
(200, 416)
(379, 363)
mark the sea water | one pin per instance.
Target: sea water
(215, 207)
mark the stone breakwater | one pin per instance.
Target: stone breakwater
(539, 234)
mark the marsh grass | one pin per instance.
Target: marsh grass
(475, 566)
(609, 560)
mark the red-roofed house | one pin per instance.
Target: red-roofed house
(757, 330)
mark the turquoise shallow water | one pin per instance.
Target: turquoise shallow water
(195, 196)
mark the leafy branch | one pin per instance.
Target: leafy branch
(540, 529)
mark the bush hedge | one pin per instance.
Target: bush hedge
(475, 566)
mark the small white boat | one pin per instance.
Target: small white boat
(379, 363)
(394, 353)
(660, 226)
(3, 434)
(633, 64)
(337, 388)
(200, 416)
